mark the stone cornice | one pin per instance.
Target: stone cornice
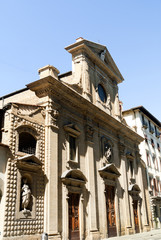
(69, 96)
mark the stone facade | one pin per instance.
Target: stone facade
(148, 127)
(75, 170)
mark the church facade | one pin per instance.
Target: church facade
(72, 165)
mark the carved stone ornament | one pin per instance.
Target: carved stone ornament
(53, 117)
(134, 190)
(89, 133)
(122, 149)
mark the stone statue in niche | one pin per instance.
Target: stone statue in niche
(26, 195)
(107, 151)
(102, 55)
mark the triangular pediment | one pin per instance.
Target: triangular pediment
(30, 162)
(103, 53)
(72, 129)
(28, 111)
(100, 55)
(109, 171)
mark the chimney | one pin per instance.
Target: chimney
(47, 71)
(79, 39)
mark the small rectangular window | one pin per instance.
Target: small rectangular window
(158, 146)
(152, 142)
(148, 159)
(144, 123)
(131, 168)
(146, 138)
(72, 148)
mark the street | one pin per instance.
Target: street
(151, 235)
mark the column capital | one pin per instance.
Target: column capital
(52, 114)
(89, 133)
(122, 148)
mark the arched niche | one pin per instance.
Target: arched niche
(29, 169)
(27, 140)
(107, 149)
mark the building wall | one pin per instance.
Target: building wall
(3, 164)
(66, 142)
(151, 146)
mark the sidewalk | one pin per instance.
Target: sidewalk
(151, 235)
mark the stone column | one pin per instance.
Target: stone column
(90, 168)
(132, 214)
(139, 215)
(117, 211)
(51, 170)
(65, 234)
(102, 209)
(81, 207)
(86, 80)
(125, 186)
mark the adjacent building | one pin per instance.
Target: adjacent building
(74, 169)
(146, 125)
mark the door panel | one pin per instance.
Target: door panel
(136, 218)
(110, 207)
(74, 216)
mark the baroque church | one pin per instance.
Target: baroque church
(70, 166)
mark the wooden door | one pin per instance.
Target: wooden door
(136, 218)
(74, 216)
(110, 207)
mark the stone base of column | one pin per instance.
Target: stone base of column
(94, 235)
(146, 228)
(54, 236)
(129, 231)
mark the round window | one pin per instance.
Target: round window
(102, 93)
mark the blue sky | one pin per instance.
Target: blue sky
(34, 34)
